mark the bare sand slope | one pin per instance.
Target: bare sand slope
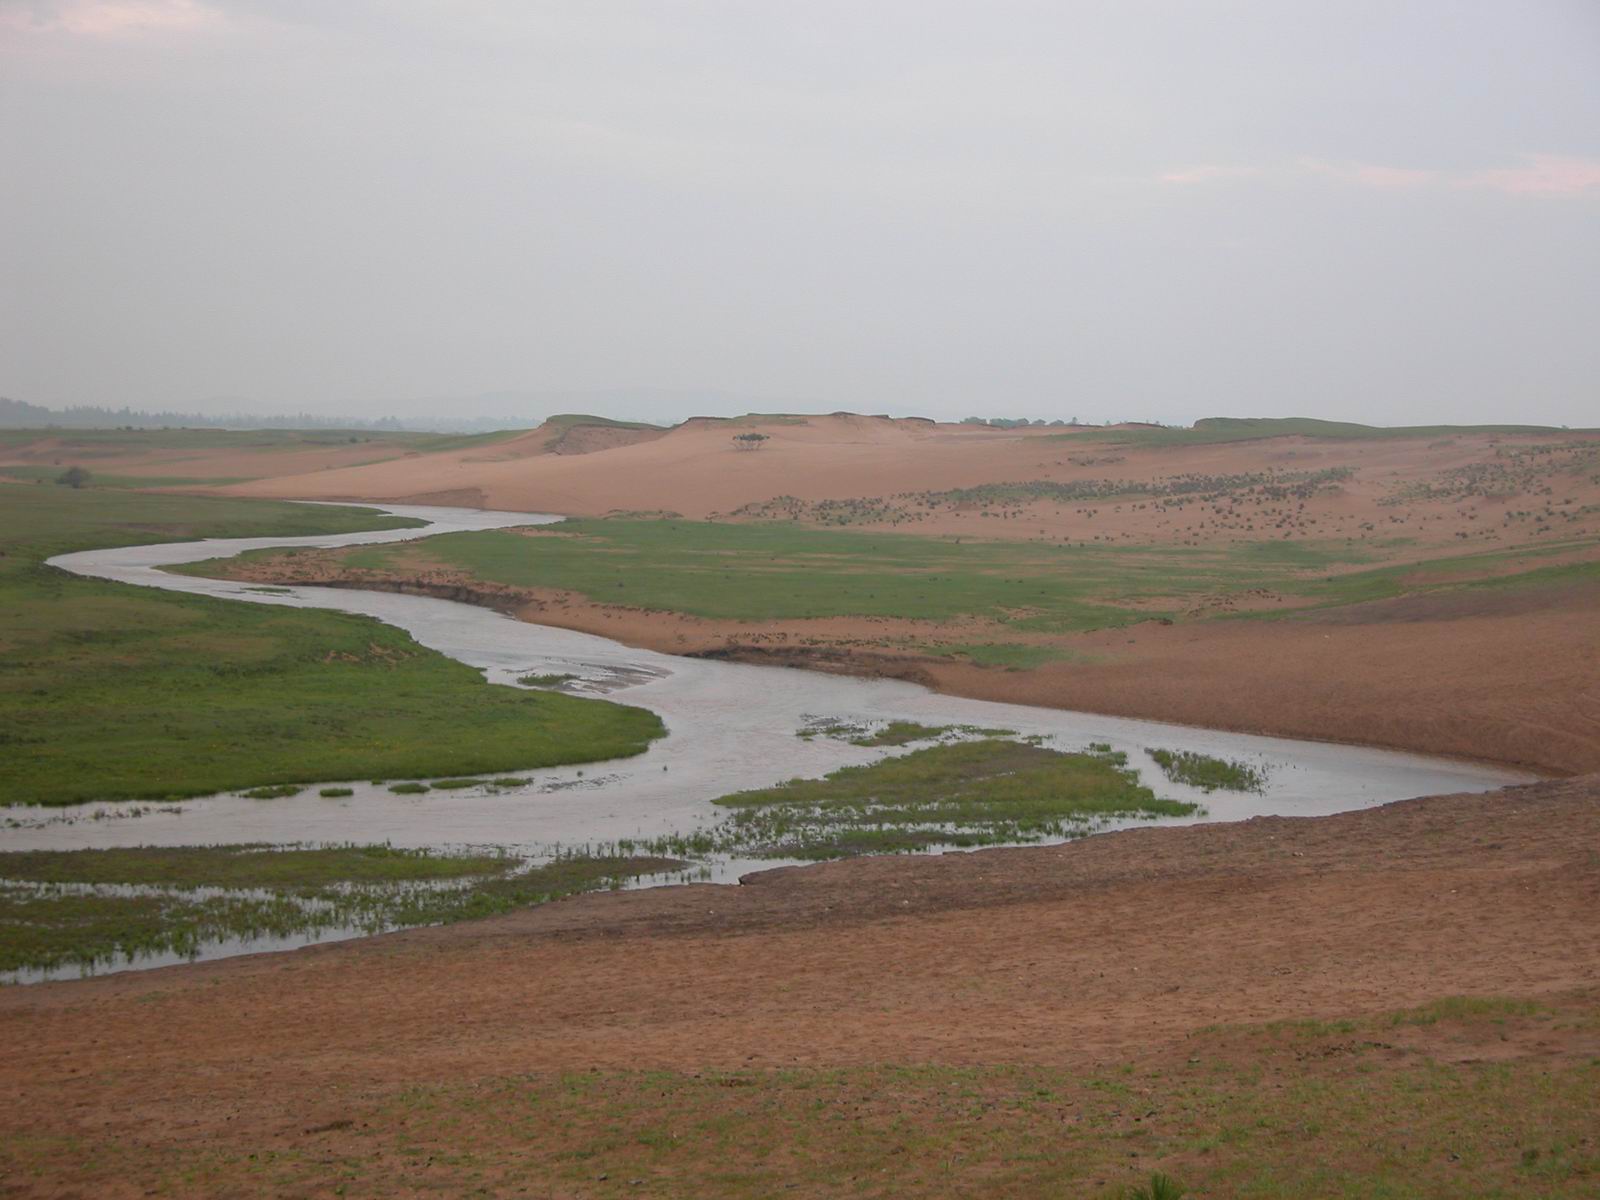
(697, 469)
(1513, 677)
(1074, 954)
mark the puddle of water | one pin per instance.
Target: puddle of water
(730, 727)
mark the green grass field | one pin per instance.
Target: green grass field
(109, 691)
(774, 571)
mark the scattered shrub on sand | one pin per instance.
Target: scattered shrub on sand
(276, 791)
(1204, 771)
(334, 792)
(409, 788)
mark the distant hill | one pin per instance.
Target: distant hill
(19, 414)
(1215, 430)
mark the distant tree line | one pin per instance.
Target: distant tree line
(19, 414)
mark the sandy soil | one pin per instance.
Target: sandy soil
(1096, 951)
(697, 471)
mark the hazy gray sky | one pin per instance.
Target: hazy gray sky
(1381, 211)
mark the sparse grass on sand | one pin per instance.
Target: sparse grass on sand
(88, 907)
(111, 691)
(1286, 1111)
(970, 793)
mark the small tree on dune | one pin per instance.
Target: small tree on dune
(749, 441)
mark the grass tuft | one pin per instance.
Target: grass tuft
(1208, 773)
(275, 791)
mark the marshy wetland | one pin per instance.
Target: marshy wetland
(759, 766)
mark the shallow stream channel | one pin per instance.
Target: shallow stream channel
(730, 728)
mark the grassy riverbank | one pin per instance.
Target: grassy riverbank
(1022, 590)
(109, 691)
(777, 571)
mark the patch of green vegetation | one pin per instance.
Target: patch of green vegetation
(1159, 1187)
(409, 788)
(450, 785)
(959, 793)
(832, 727)
(275, 791)
(243, 866)
(98, 479)
(109, 691)
(552, 680)
(1012, 656)
(90, 907)
(1216, 430)
(900, 733)
(889, 733)
(332, 793)
(1204, 771)
(1457, 572)
(1466, 1008)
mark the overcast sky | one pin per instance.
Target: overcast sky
(1381, 211)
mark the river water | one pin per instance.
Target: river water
(730, 727)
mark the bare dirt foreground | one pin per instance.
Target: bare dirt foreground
(1049, 1022)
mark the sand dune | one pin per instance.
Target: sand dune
(699, 470)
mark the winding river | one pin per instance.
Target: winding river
(730, 727)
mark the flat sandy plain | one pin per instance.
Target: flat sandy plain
(1403, 1001)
